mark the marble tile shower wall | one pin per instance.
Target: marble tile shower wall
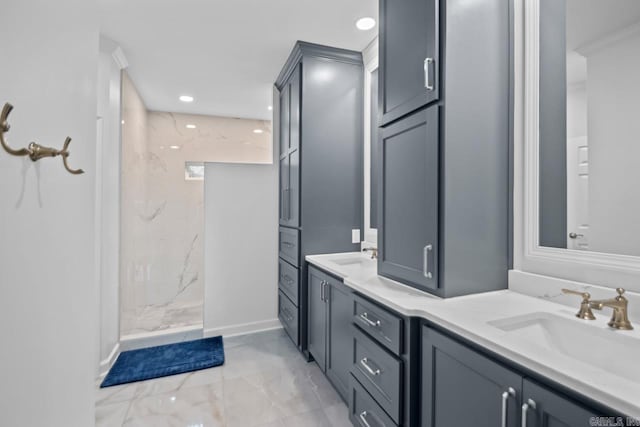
(162, 223)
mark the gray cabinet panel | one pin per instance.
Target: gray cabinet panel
(379, 323)
(284, 188)
(552, 409)
(289, 245)
(409, 34)
(317, 318)
(288, 315)
(408, 236)
(363, 409)
(340, 306)
(285, 102)
(288, 280)
(294, 109)
(460, 385)
(379, 372)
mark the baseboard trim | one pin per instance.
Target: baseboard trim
(108, 362)
(168, 336)
(243, 328)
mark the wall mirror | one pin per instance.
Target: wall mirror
(371, 152)
(589, 126)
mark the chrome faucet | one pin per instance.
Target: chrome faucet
(619, 304)
(374, 252)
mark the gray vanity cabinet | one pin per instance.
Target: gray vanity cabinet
(462, 387)
(444, 181)
(408, 209)
(317, 320)
(330, 310)
(546, 408)
(409, 56)
(321, 151)
(340, 309)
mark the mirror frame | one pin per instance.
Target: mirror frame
(610, 270)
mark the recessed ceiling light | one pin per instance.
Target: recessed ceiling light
(186, 98)
(174, 147)
(365, 23)
(270, 108)
(190, 126)
(258, 131)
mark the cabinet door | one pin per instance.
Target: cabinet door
(339, 339)
(545, 408)
(317, 319)
(408, 228)
(463, 387)
(284, 189)
(285, 109)
(295, 91)
(290, 189)
(409, 62)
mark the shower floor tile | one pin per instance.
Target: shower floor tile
(155, 318)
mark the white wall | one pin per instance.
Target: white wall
(108, 200)
(241, 248)
(614, 146)
(48, 303)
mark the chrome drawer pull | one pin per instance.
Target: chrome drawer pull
(288, 279)
(363, 418)
(365, 364)
(287, 244)
(525, 409)
(505, 402)
(365, 318)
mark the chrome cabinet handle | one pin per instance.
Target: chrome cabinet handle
(575, 235)
(365, 318)
(286, 203)
(287, 244)
(525, 409)
(427, 74)
(363, 418)
(365, 364)
(288, 279)
(425, 261)
(505, 402)
(322, 290)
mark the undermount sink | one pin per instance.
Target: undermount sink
(355, 261)
(605, 349)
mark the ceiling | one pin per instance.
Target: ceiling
(590, 20)
(226, 54)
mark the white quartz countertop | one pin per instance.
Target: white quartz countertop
(613, 377)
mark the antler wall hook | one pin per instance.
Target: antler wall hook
(34, 151)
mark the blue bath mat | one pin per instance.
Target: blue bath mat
(164, 360)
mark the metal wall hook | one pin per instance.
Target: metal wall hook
(34, 151)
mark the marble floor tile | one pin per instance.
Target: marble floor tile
(112, 414)
(265, 382)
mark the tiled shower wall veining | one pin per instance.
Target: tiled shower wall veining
(162, 217)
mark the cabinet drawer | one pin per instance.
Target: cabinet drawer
(363, 410)
(289, 244)
(379, 372)
(288, 315)
(288, 280)
(382, 325)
